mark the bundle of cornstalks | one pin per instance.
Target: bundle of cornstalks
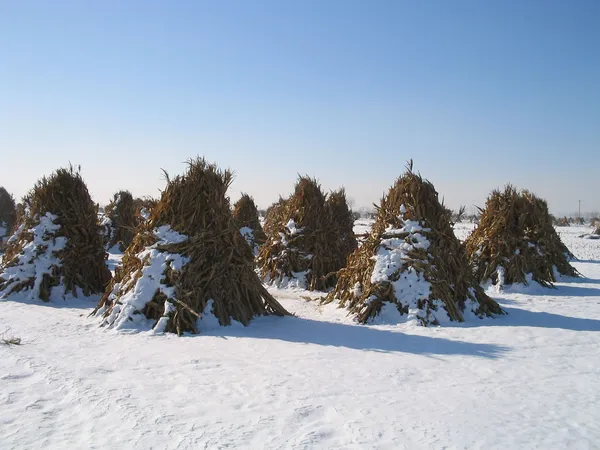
(20, 213)
(143, 207)
(245, 215)
(273, 216)
(7, 216)
(340, 227)
(57, 248)
(309, 237)
(120, 220)
(515, 242)
(411, 265)
(188, 264)
(563, 222)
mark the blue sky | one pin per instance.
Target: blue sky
(478, 93)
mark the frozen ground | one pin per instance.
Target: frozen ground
(527, 380)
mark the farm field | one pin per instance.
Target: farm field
(300, 225)
(317, 380)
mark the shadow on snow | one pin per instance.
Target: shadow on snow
(356, 337)
(517, 317)
(566, 290)
(88, 303)
(572, 287)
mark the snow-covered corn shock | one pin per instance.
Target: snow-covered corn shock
(245, 215)
(516, 242)
(309, 236)
(289, 278)
(57, 249)
(187, 261)
(120, 220)
(411, 297)
(411, 267)
(129, 297)
(36, 264)
(411, 289)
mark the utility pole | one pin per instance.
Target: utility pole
(579, 209)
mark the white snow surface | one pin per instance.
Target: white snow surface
(318, 380)
(361, 229)
(362, 226)
(37, 258)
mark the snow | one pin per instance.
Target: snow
(317, 380)
(298, 280)
(393, 252)
(114, 258)
(166, 235)
(293, 228)
(145, 213)
(361, 228)
(248, 234)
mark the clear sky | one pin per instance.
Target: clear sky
(478, 93)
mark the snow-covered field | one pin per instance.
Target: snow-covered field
(530, 379)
